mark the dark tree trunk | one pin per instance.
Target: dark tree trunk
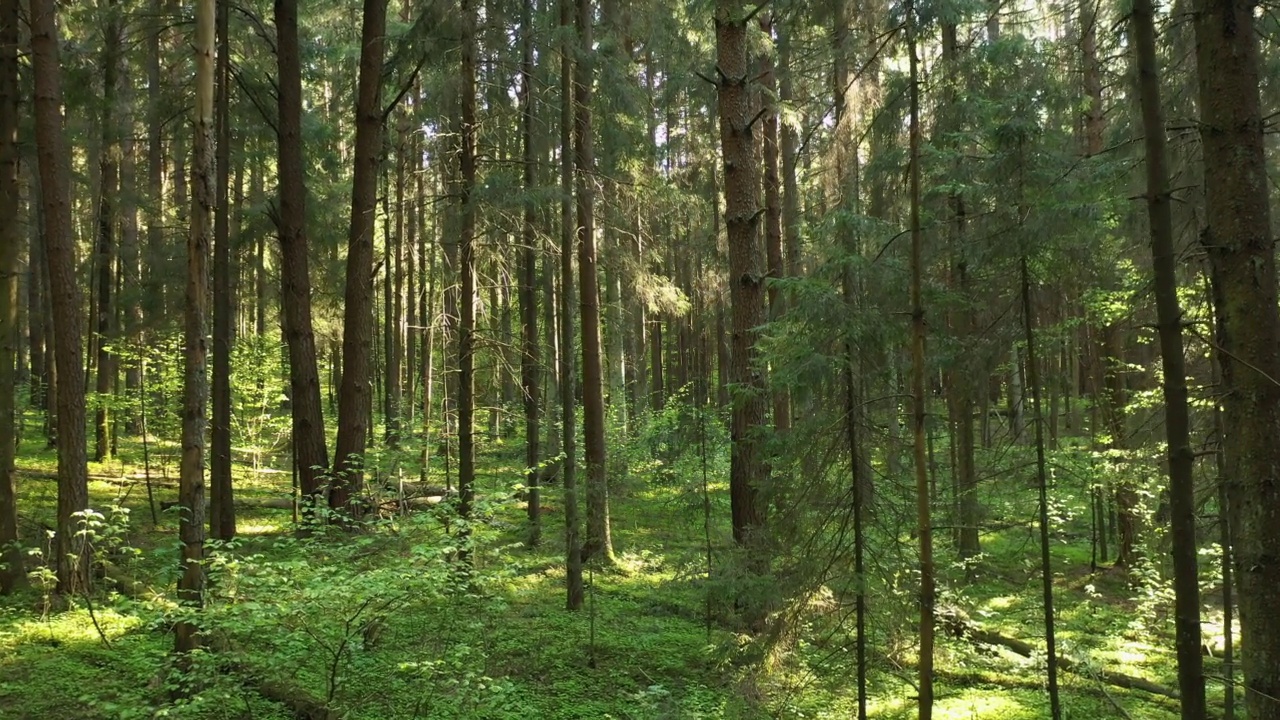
(1242, 259)
(36, 302)
(746, 271)
(108, 189)
(924, 522)
(1042, 485)
(70, 552)
(530, 355)
(11, 563)
(599, 543)
(787, 151)
(222, 510)
(154, 280)
(1181, 459)
(310, 455)
(466, 131)
(773, 212)
(568, 373)
(131, 266)
(355, 399)
(195, 394)
(395, 308)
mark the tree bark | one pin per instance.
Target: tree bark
(467, 266)
(924, 523)
(1241, 252)
(530, 356)
(12, 574)
(154, 279)
(746, 272)
(310, 453)
(108, 189)
(195, 394)
(222, 511)
(1178, 450)
(773, 212)
(36, 301)
(1042, 485)
(568, 373)
(355, 397)
(599, 541)
(71, 553)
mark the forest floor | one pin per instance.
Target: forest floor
(378, 624)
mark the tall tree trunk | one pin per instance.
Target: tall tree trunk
(466, 132)
(961, 384)
(599, 542)
(568, 373)
(787, 145)
(773, 211)
(37, 332)
(530, 355)
(355, 396)
(195, 392)
(310, 454)
(1181, 459)
(108, 189)
(395, 309)
(222, 511)
(1042, 484)
(1110, 392)
(154, 281)
(924, 523)
(70, 551)
(11, 564)
(131, 263)
(746, 272)
(1241, 253)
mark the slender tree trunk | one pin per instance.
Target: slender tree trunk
(12, 574)
(530, 356)
(195, 393)
(154, 280)
(37, 332)
(108, 189)
(415, 264)
(222, 510)
(961, 385)
(568, 373)
(924, 524)
(787, 152)
(394, 303)
(1241, 252)
(355, 396)
(773, 212)
(599, 542)
(466, 132)
(1181, 459)
(131, 263)
(1046, 563)
(71, 552)
(1109, 389)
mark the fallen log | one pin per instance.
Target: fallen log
(276, 503)
(298, 701)
(121, 581)
(301, 704)
(417, 489)
(960, 626)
